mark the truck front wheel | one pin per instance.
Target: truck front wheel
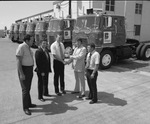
(106, 59)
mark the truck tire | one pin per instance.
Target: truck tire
(145, 52)
(138, 51)
(12, 39)
(106, 59)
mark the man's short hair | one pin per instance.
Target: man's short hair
(79, 40)
(27, 37)
(58, 34)
(92, 45)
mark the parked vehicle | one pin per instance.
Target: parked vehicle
(22, 31)
(11, 33)
(31, 30)
(2, 33)
(62, 26)
(40, 32)
(16, 32)
(108, 33)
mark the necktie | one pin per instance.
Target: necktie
(46, 55)
(30, 52)
(61, 52)
(89, 60)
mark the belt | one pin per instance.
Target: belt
(27, 66)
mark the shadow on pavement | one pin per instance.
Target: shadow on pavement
(128, 65)
(58, 105)
(109, 99)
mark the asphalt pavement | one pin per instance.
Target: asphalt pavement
(123, 93)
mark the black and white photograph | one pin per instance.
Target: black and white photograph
(75, 62)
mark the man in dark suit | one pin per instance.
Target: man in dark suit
(42, 59)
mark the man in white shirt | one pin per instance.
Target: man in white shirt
(58, 50)
(92, 64)
(25, 64)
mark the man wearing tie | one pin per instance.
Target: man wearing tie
(92, 63)
(43, 68)
(57, 50)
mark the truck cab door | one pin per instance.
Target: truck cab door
(119, 31)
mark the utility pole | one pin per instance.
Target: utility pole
(70, 8)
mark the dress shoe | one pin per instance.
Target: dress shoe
(27, 112)
(74, 92)
(63, 92)
(47, 95)
(43, 100)
(92, 102)
(58, 94)
(81, 96)
(88, 98)
(32, 106)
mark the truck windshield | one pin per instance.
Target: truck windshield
(54, 25)
(16, 27)
(22, 27)
(87, 22)
(30, 27)
(12, 28)
(68, 24)
(40, 26)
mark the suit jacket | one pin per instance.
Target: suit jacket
(79, 59)
(43, 63)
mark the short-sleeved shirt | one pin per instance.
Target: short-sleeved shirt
(24, 51)
(55, 49)
(95, 59)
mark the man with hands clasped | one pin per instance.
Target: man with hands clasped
(58, 50)
(92, 64)
(78, 64)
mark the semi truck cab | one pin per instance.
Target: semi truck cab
(108, 33)
(16, 32)
(22, 31)
(31, 31)
(62, 26)
(40, 32)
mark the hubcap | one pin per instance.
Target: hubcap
(106, 60)
(147, 53)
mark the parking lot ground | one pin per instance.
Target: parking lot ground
(123, 93)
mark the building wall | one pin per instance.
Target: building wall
(78, 9)
(145, 24)
(129, 15)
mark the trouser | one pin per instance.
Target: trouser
(92, 84)
(42, 85)
(26, 85)
(80, 81)
(58, 74)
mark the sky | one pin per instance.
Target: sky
(10, 11)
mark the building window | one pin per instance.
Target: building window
(138, 8)
(137, 29)
(110, 5)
